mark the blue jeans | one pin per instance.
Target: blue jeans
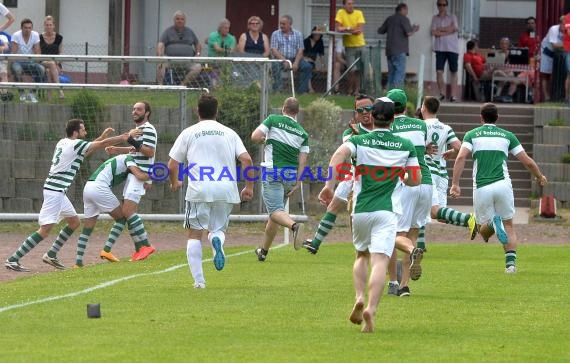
(36, 70)
(305, 70)
(396, 70)
(275, 185)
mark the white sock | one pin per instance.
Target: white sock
(194, 255)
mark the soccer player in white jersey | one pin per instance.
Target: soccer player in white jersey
(67, 159)
(144, 153)
(360, 124)
(442, 135)
(416, 200)
(209, 197)
(493, 197)
(286, 149)
(377, 204)
(98, 197)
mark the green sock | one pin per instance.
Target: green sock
(114, 233)
(62, 237)
(30, 242)
(451, 216)
(325, 226)
(421, 242)
(82, 245)
(510, 258)
(137, 231)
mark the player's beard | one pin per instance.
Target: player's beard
(138, 119)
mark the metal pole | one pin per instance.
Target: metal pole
(420, 81)
(183, 125)
(86, 67)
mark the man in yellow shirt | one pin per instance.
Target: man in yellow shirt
(352, 22)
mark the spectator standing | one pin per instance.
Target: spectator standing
(51, 43)
(444, 27)
(339, 62)
(398, 29)
(4, 11)
(351, 21)
(179, 40)
(551, 43)
(27, 41)
(528, 38)
(253, 41)
(287, 44)
(221, 43)
(209, 203)
(286, 149)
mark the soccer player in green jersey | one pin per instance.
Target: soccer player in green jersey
(286, 149)
(67, 159)
(493, 197)
(377, 204)
(417, 199)
(144, 154)
(98, 197)
(359, 125)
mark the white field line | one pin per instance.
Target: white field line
(111, 283)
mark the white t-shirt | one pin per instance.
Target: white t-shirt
(209, 151)
(554, 36)
(4, 10)
(23, 47)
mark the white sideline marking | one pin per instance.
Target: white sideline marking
(111, 283)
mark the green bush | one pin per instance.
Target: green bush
(566, 158)
(87, 106)
(322, 120)
(239, 109)
(556, 122)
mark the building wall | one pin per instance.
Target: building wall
(508, 9)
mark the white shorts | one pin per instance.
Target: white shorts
(416, 205)
(494, 199)
(55, 207)
(98, 198)
(546, 64)
(134, 189)
(213, 217)
(439, 190)
(343, 189)
(374, 232)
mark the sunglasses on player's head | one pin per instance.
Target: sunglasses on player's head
(363, 109)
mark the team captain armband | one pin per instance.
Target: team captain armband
(137, 144)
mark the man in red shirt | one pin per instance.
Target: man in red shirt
(528, 38)
(474, 64)
(566, 43)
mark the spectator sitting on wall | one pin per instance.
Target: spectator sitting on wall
(179, 41)
(51, 43)
(27, 41)
(253, 41)
(221, 43)
(314, 50)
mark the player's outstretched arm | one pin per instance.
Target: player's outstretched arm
(247, 193)
(531, 166)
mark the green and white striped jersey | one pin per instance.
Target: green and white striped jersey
(441, 135)
(416, 131)
(284, 139)
(149, 139)
(383, 154)
(490, 146)
(348, 132)
(113, 171)
(67, 159)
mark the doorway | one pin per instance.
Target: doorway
(238, 11)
